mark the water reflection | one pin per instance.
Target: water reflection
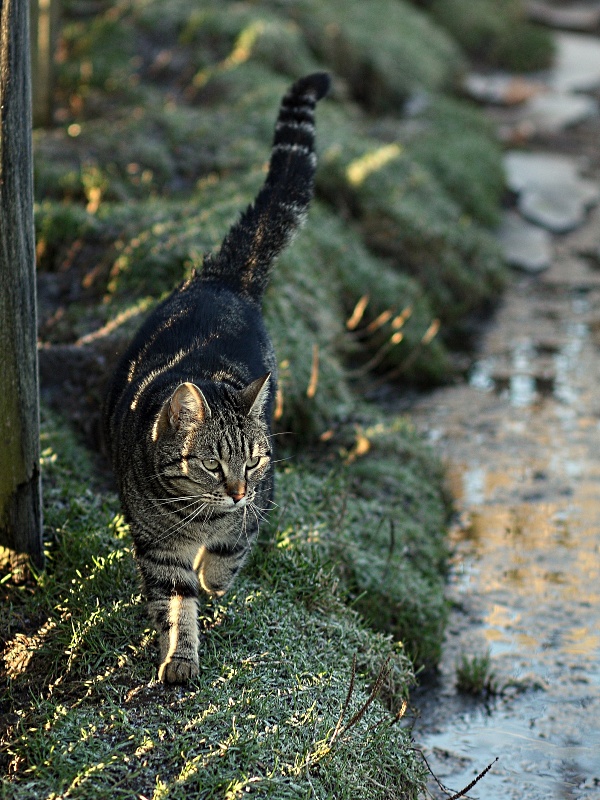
(525, 472)
(524, 373)
(522, 390)
(534, 569)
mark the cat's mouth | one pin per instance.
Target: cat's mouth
(233, 505)
(240, 502)
(228, 503)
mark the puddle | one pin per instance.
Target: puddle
(526, 581)
(522, 444)
(531, 372)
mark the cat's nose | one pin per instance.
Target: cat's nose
(237, 491)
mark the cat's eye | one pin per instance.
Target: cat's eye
(211, 464)
(253, 462)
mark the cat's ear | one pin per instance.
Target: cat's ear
(186, 404)
(255, 395)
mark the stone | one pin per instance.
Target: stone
(551, 193)
(576, 17)
(500, 88)
(557, 208)
(550, 112)
(577, 63)
(526, 170)
(525, 246)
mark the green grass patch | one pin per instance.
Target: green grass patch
(496, 32)
(474, 675)
(386, 50)
(271, 709)
(414, 211)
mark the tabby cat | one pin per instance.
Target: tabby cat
(187, 415)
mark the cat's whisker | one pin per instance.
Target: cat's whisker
(178, 526)
(155, 475)
(174, 529)
(194, 499)
(259, 519)
(243, 528)
(258, 512)
(264, 511)
(175, 497)
(162, 511)
(163, 501)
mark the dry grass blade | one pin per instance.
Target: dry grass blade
(383, 674)
(468, 788)
(376, 360)
(314, 374)
(398, 371)
(338, 726)
(357, 314)
(462, 792)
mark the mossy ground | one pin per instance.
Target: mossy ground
(269, 710)
(495, 32)
(160, 146)
(164, 116)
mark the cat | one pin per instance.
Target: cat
(187, 416)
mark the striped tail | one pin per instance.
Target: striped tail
(280, 208)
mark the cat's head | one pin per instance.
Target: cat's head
(215, 453)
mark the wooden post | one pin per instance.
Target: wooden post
(20, 491)
(43, 23)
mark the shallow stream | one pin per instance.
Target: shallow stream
(521, 439)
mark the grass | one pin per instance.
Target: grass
(164, 116)
(412, 54)
(474, 676)
(496, 33)
(271, 708)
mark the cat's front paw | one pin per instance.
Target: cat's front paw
(177, 670)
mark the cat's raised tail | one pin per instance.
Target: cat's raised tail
(268, 225)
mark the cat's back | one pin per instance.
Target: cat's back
(202, 333)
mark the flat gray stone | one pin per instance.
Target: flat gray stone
(552, 111)
(577, 63)
(525, 246)
(551, 193)
(501, 88)
(554, 207)
(525, 170)
(575, 17)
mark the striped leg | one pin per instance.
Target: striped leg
(177, 636)
(218, 565)
(172, 590)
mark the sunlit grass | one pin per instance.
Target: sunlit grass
(86, 717)
(164, 118)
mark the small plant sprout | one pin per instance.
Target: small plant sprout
(474, 676)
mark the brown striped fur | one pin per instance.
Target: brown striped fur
(187, 416)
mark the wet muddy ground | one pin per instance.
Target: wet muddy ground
(521, 438)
